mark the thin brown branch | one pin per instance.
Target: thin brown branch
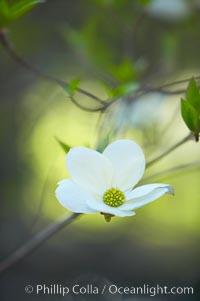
(172, 172)
(145, 89)
(87, 109)
(104, 105)
(171, 149)
(179, 82)
(36, 241)
(164, 91)
(5, 42)
(142, 91)
(162, 88)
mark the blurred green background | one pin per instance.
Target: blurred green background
(106, 44)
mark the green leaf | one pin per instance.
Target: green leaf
(190, 116)
(73, 86)
(193, 95)
(4, 12)
(144, 2)
(11, 12)
(125, 71)
(3, 7)
(63, 145)
(23, 6)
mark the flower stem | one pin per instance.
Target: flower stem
(36, 241)
(189, 137)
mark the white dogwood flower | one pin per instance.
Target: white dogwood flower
(105, 182)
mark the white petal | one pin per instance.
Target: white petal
(102, 207)
(73, 197)
(89, 169)
(145, 194)
(128, 162)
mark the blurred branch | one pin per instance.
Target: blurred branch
(6, 43)
(104, 105)
(172, 172)
(87, 109)
(171, 149)
(145, 89)
(162, 89)
(36, 241)
(178, 82)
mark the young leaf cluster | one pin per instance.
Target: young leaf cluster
(12, 11)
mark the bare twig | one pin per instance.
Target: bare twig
(179, 82)
(87, 109)
(172, 172)
(162, 88)
(145, 89)
(171, 149)
(36, 241)
(5, 42)
(163, 91)
(141, 91)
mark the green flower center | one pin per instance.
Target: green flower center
(114, 197)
